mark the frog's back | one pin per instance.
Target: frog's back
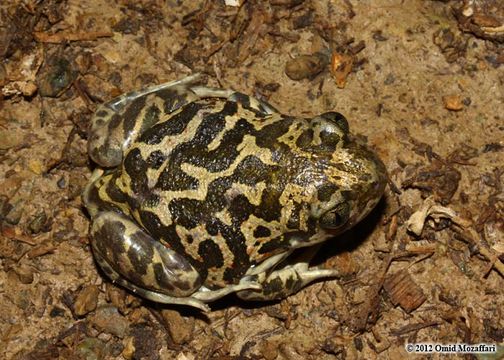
(207, 180)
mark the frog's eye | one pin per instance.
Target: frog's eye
(337, 119)
(336, 217)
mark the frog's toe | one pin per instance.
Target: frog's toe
(285, 281)
(207, 295)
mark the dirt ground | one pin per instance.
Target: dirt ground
(421, 81)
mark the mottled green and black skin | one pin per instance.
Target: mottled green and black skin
(207, 191)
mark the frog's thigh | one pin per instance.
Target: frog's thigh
(131, 257)
(285, 281)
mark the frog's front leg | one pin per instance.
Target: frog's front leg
(286, 280)
(133, 259)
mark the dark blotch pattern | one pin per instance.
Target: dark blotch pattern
(115, 193)
(163, 281)
(305, 139)
(211, 254)
(325, 191)
(108, 240)
(94, 198)
(141, 254)
(174, 179)
(101, 113)
(169, 235)
(274, 245)
(244, 101)
(130, 114)
(329, 140)
(136, 168)
(173, 100)
(174, 126)
(155, 159)
(151, 117)
(261, 231)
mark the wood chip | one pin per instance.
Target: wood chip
(341, 67)
(403, 291)
(40, 250)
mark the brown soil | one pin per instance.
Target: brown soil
(426, 96)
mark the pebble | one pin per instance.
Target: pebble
(179, 328)
(91, 349)
(108, 319)
(305, 66)
(24, 273)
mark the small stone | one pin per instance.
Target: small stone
(305, 66)
(235, 3)
(10, 138)
(24, 273)
(453, 102)
(14, 215)
(138, 315)
(179, 328)
(35, 166)
(269, 350)
(86, 300)
(22, 299)
(117, 297)
(91, 349)
(129, 348)
(108, 319)
(38, 222)
(55, 77)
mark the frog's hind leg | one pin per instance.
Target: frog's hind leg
(133, 259)
(115, 125)
(286, 280)
(251, 103)
(121, 101)
(147, 294)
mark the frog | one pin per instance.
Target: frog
(200, 192)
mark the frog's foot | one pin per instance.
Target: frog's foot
(207, 295)
(284, 281)
(132, 258)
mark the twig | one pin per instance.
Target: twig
(65, 36)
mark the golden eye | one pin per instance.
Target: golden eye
(336, 217)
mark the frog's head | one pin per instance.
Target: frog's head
(351, 179)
